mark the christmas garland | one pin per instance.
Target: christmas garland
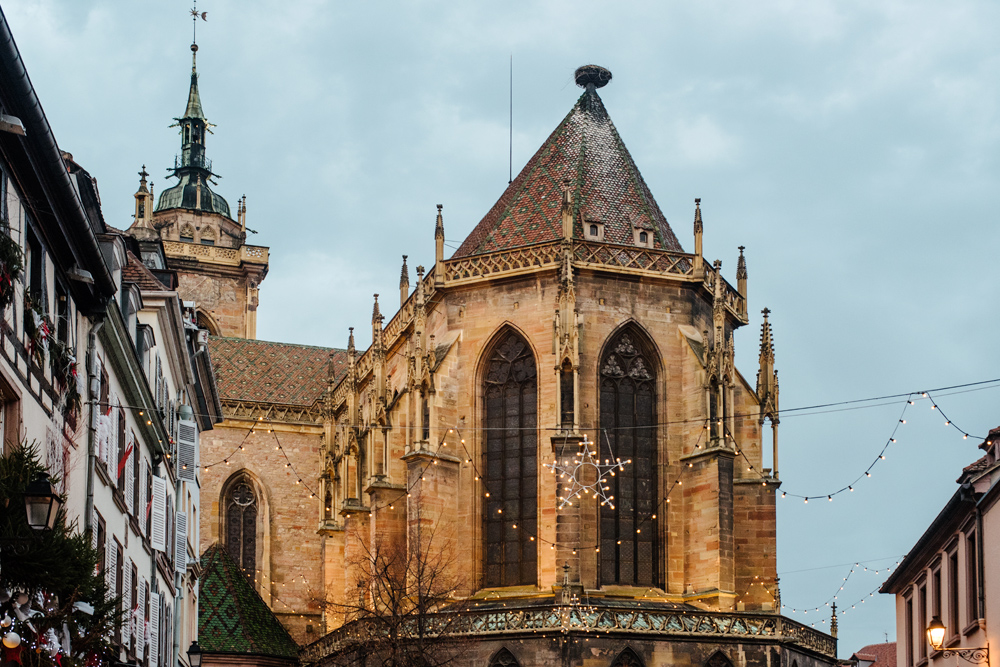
(55, 606)
(11, 264)
(37, 329)
(64, 372)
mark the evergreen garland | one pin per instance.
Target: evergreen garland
(40, 588)
(11, 264)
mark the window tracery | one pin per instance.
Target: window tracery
(241, 526)
(629, 554)
(510, 394)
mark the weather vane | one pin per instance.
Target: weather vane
(194, 21)
(585, 463)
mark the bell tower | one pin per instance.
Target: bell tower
(203, 243)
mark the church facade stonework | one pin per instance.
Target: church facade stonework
(569, 326)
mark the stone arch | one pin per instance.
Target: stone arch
(718, 659)
(206, 321)
(237, 483)
(208, 236)
(186, 232)
(503, 658)
(627, 382)
(508, 387)
(628, 658)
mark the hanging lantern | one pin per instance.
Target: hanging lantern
(42, 503)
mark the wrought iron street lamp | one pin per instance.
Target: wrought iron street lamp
(194, 655)
(936, 631)
(41, 503)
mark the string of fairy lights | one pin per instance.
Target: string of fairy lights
(911, 399)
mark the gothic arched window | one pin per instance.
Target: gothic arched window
(718, 659)
(627, 658)
(510, 393)
(628, 432)
(504, 658)
(241, 526)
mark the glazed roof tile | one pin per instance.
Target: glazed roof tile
(605, 183)
(232, 617)
(264, 372)
(136, 272)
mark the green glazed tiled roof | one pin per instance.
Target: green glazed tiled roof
(232, 617)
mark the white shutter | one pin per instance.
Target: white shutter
(114, 447)
(102, 435)
(110, 565)
(180, 544)
(93, 528)
(127, 599)
(142, 511)
(187, 448)
(130, 473)
(159, 536)
(154, 629)
(140, 618)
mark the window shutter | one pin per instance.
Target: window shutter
(159, 536)
(140, 618)
(110, 565)
(113, 444)
(93, 529)
(180, 544)
(126, 601)
(187, 446)
(142, 511)
(130, 473)
(154, 629)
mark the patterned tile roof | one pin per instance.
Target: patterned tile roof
(263, 372)
(606, 185)
(136, 272)
(232, 617)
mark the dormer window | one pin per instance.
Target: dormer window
(642, 237)
(593, 230)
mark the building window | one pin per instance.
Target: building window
(135, 600)
(643, 237)
(628, 658)
(594, 230)
(908, 620)
(119, 581)
(971, 563)
(36, 272)
(425, 416)
(719, 659)
(567, 408)
(241, 526)
(510, 394)
(922, 615)
(504, 658)
(953, 596)
(102, 542)
(936, 593)
(628, 432)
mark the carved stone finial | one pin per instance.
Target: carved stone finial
(404, 275)
(699, 226)
(439, 224)
(350, 339)
(375, 311)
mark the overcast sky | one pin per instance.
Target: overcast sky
(852, 147)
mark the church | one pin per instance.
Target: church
(546, 456)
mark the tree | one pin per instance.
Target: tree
(403, 612)
(52, 598)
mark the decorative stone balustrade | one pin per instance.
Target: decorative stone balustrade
(651, 623)
(251, 254)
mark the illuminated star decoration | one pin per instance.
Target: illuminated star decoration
(585, 463)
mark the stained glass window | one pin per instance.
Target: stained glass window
(241, 526)
(511, 396)
(628, 431)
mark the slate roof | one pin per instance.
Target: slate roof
(883, 655)
(232, 617)
(265, 372)
(136, 272)
(606, 185)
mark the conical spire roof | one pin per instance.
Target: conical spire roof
(194, 109)
(605, 184)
